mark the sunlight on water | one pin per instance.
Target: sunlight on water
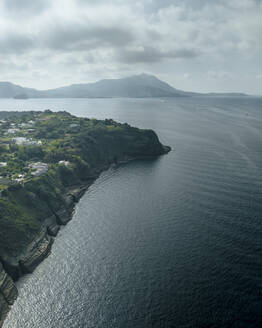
(172, 242)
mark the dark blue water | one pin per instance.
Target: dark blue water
(172, 242)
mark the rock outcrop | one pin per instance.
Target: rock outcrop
(8, 293)
(34, 254)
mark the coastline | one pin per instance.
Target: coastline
(40, 248)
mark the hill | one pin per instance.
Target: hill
(10, 90)
(137, 86)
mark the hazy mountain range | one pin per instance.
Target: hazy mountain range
(138, 86)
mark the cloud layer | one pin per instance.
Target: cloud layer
(52, 43)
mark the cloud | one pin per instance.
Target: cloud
(81, 37)
(108, 36)
(150, 55)
(26, 6)
(172, 31)
(15, 43)
(6, 66)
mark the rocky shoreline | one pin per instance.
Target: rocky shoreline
(8, 294)
(40, 247)
(11, 269)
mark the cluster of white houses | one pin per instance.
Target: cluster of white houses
(38, 168)
(17, 128)
(22, 141)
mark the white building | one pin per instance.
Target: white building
(73, 125)
(21, 141)
(24, 125)
(66, 163)
(39, 167)
(12, 131)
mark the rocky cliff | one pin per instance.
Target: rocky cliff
(8, 293)
(33, 211)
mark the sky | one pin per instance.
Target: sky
(194, 45)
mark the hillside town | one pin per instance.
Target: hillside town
(23, 150)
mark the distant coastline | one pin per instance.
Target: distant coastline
(138, 86)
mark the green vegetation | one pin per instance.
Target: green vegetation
(43, 155)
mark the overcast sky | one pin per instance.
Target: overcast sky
(197, 45)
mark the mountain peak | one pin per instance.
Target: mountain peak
(136, 86)
(143, 76)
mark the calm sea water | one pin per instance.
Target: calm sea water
(171, 242)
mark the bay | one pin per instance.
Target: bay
(171, 242)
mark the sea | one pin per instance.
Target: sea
(174, 241)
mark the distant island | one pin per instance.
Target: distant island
(47, 161)
(21, 96)
(138, 86)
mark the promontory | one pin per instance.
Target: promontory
(47, 160)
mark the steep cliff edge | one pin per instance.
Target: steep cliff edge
(8, 293)
(76, 151)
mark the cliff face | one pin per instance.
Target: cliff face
(8, 293)
(33, 211)
(24, 255)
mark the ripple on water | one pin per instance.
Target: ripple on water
(174, 242)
